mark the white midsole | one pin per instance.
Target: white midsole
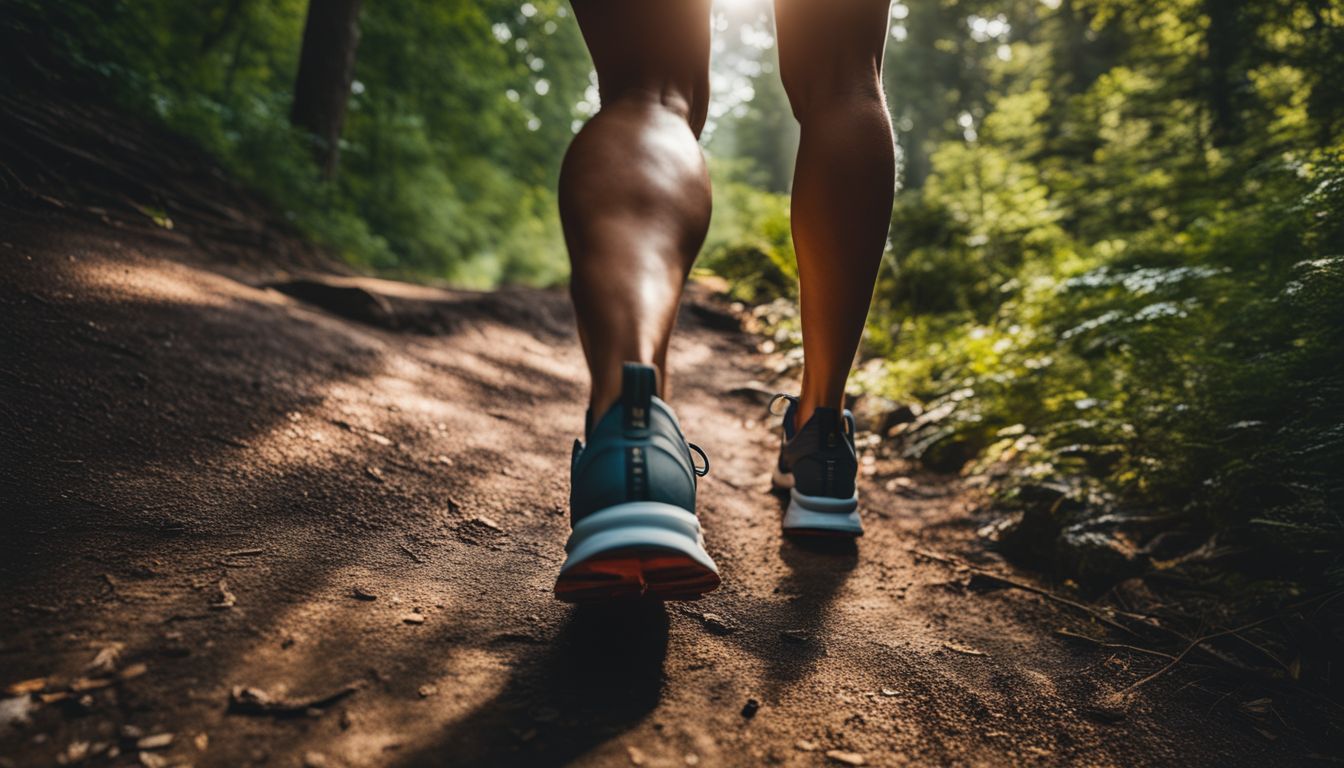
(637, 525)
(821, 513)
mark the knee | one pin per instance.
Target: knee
(843, 85)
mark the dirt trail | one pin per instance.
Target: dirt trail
(229, 487)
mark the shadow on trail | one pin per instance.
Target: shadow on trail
(599, 677)
(818, 569)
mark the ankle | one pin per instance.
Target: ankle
(607, 389)
(808, 406)
(601, 401)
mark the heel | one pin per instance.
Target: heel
(637, 549)
(822, 516)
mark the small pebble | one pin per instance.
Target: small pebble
(157, 741)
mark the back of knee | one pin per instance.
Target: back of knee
(683, 95)
(834, 87)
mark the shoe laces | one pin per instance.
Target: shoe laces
(699, 471)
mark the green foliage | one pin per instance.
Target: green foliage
(1097, 279)
(450, 152)
(749, 242)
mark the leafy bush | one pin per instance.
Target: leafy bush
(1155, 326)
(749, 242)
(449, 157)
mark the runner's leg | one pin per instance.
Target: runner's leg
(831, 64)
(634, 192)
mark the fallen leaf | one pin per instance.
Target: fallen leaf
(964, 649)
(133, 671)
(53, 697)
(226, 598)
(90, 684)
(255, 701)
(26, 686)
(75, 752)
(413, 618)
(105, 662)
(1257, 706)
(428, 690)
(375, 473)
(157, 741)
(636, 755)
(845, 758)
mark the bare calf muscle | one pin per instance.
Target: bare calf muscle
(831, 64)
(634, 191)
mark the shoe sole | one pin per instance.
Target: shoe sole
(818, 515)
(641, 549)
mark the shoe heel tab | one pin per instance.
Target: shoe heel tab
(638, 385)
(829, 425)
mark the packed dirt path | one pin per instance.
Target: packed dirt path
(288, 537)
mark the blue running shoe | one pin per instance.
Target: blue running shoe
(818, 467)
(632, 505)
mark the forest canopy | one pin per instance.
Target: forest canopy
(1115, 276)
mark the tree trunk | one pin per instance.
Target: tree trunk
(1226, 44)
(326, 70)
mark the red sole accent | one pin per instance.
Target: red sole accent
(622, 574)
